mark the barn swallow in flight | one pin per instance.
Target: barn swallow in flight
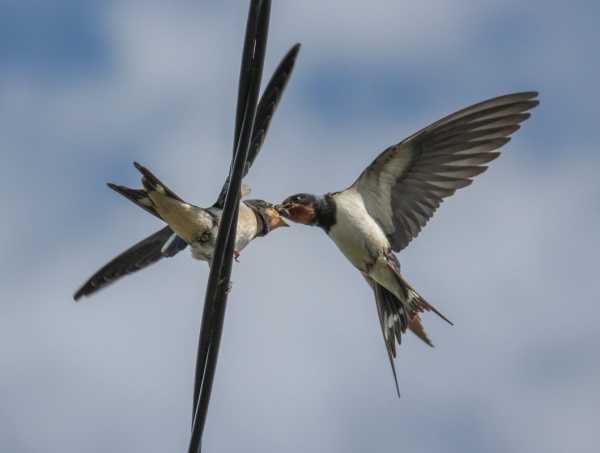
(395, 196)
(191, 225)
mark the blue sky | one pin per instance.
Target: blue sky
(88, 87)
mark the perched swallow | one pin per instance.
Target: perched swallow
(395, 196)
(166, 242)
(198, 227)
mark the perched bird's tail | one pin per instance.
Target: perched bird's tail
(141, 197)
(138, 196)
(152, 184)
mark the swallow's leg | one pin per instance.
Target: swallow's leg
(229, 286)
(236, 256)
(368, 268)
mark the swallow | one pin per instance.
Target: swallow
(397, 194)
(196, 226)
(166, 242)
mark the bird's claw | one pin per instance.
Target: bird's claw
(236, 256)
(229, 285)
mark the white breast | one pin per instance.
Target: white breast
(247, 227)
(355, 232)
(246, 231)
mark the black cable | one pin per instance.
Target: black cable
(220, 272)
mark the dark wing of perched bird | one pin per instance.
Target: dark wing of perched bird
(264, 112)
(404, 186)
(137, 257)
(165, 243)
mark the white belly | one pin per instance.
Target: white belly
(246, 231)
(246, 228)
(356, 234)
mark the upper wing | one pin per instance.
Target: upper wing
(139, 256)
(264, 112)
(404, 186)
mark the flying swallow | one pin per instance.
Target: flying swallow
(395, 196)
(166, 242)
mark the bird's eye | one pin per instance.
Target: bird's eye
(205, 237)
(299, 198)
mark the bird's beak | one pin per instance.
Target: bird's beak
(283, 209)
(279, 222)
(275, 219)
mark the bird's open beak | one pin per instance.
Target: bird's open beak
(279, 222)
(282, 209)
(275, 219)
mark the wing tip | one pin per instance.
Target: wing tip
(86, 290)
(290, 57)
(521, 95)
(533, 104)
(529, 94)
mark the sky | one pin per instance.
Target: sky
(88, 87)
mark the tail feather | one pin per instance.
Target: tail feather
(396, 314)
(395, 317)
(153, 184)
(417, 303)
(137, 196)
(417, 328)
(391, 333)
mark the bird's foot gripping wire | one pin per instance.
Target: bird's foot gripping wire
(229, 285)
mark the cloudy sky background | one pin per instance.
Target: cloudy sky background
(88, 87)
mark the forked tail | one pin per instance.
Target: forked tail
(395, 317)
(138, 196)
(416, 302)
(153, 184)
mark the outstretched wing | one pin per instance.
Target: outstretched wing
(404, 186)
(264, 112)
(139, 256)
